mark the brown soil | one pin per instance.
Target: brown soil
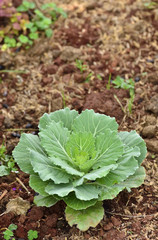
(111, 37)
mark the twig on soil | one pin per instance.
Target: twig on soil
(37, 4)
(132, 216)
(120, 104)
(22, 185)
(19, 129)
(3, 194)
(14, 71)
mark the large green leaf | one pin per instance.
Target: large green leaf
(110, 192)
(89, 121)
(61, 190)
(131, 182)
(81, 141)
(94, 174)
(108, 147)
(84, 192)
(54, 138)
(21, 152)
(81, 149)
(78, 204)
(126, 166)
(135, 180)
(66, 116)
(66, 166)
(133, 139)
(45, 201)
(87, 192)
(47, 170)
(86, 218)
(38, 185)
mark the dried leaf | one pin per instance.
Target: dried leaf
(18, 206)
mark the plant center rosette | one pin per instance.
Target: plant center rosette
(81, 159)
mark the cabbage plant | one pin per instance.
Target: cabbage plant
(81, 159)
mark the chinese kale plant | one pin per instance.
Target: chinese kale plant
(81, 159)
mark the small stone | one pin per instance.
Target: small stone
(153, 78)
(150, 120)
(116, 222)
(28, 125)
(108, 226)
(137, 79)
(2, 67)
(150, 60)
(18, 135)
(70, 53)
(8, 122)
(5, 93)
(51, 69)
(152, 145)
(5, 105)
(149, 131)
(139, 91)
(14, 134)
(87, 236)
(46, 80)
(51, 220)
(153, 104)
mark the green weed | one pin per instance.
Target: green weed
(82, 67)
(128, 84)
(9, 234)
(24, 32)
(7, 163)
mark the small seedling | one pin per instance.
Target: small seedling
(150, 4)
(82, 67)
(32, 234)
(8, 233)
(7, 163)
(109, 81)
(88, 78)
(99, 77)
(23, 32)
(127, 85)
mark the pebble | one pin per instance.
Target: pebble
(152, 145)
(5, 93)
(28, 125)
(2, 67)
(70, 54)
(139, 91)
(108, 226)
(137, 79)
(8, 122)
(5, 105)
(149, 131)
(150, 60)
(153, 104)
(150, 120)
(16, 135)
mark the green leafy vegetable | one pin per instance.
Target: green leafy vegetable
(81, 159)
